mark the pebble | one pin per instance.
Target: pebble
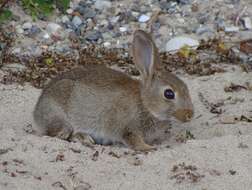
(53, 28)
(178, 42)
(69, 11)
(88, 13)
(228, 120)
(34, 31)
(27, 26)
(230, 29)
(247, 23)
(102, 4)
(76, 21)
(46, 36)
(143, 18)
(93, 36)
(19, 29)
(123, 29)
(65, 19)
(106, 44)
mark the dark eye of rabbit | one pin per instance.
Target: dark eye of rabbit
(169, 94)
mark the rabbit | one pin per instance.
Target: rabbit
(96, 104)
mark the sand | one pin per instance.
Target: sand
(220, 156)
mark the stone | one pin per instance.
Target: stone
(228, 120)
(178, 42)
(69, 11)
(34, 31)
(93, 36)
(76, 21)
(102, 4)
(107, 44)
(143, 18)
(53, 28)
(65, 19)
(123, 29)
(247, 23)
(19, 29)
(27, 26)
(230, 29)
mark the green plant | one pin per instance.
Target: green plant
(38, 8)
(5, 14)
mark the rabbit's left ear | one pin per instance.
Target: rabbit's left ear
(145, 54)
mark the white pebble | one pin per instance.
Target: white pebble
(65, 19)
(123, 29)
(53, 28)
(46, 36)
(19, 29)
(69, 11)
(176, 43)
(102, 4)
(27, 26)
(143, 18)
(107, 44)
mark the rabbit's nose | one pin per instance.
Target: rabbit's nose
(183, 114)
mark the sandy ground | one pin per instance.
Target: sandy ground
(220, 156)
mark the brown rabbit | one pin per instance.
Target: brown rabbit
(94, 103)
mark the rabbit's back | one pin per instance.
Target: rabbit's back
(94, 99)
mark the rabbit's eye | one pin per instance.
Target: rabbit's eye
(169, 94)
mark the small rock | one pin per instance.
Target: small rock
(102, 4)
(228, 120)
(27, 26)
(88, 13)
(247, 23)
(53, 28)
(65, 19)
(107, 44)
(69, 11)
(19, 30)
(123, 29)
(178, 42)
(230, 29)
(143, 18)
(220, 23)
(203, 29)
(184, 2)
(34, 31)
(135, 161)
(46, 35)
(93, 36)
(76, 21)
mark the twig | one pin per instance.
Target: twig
(240, 15)
(153, 19)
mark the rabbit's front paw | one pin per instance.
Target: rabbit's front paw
(83, 138)
(136, 142)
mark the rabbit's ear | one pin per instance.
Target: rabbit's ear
(144, 54)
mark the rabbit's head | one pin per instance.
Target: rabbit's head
(162, 93)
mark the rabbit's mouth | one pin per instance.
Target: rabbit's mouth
(183, 115)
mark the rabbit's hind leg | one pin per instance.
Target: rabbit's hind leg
(59, 128)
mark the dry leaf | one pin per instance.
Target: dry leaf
(246, 46)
